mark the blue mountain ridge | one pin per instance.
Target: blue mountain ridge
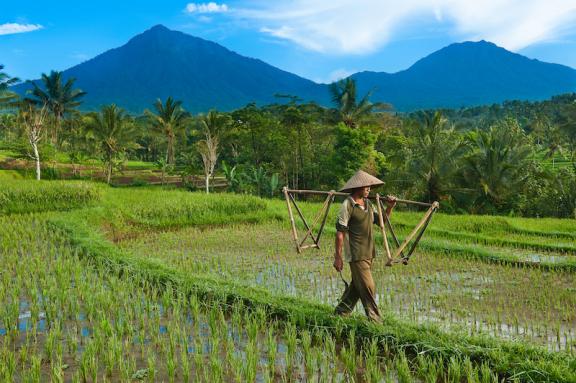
(160, 62)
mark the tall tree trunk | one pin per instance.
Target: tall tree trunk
(56, 129)
(207, 181)
(109, 173)
(170, 150)
(37, 159)
(109, 169)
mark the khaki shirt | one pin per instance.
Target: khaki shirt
(357, 222)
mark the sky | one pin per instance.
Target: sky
(322, 40)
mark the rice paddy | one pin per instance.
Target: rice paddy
(64, 320)
(160, 285)
(525, 303)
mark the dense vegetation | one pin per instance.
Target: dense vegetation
(517, 158)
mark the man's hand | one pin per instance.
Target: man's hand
(338, 263)
(390, 201)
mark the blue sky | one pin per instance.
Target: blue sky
(318, 39)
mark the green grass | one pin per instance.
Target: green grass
(10, 175)
(36, 196)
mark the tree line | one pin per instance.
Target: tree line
(499, 159)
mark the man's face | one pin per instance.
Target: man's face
(365, 191)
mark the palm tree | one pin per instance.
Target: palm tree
(169, 119)
(434, 154)
(555, 141)
(496, 167)
(59, 97)
(351, 111)
(113, 131)
(568, 127)
(5, 82)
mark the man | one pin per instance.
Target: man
(354, 232)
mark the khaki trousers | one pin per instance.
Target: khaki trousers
(361, 287)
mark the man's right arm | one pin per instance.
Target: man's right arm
(338, 262)
(341, 229)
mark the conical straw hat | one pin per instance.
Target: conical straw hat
(359, 180)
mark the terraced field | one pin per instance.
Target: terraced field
(160, 285)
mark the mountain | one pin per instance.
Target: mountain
(466, 74)
(160, 62)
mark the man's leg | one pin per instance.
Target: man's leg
(349, 299)
(365, 288)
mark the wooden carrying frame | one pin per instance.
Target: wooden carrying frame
(397, 256)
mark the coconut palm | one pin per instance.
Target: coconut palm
(496, 168)
(351, 111)
(58, 96)
(169, 119)
(434, 154)
(113, 131)
(5, 82)
(568, 128)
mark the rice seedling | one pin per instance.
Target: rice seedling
(119, 310)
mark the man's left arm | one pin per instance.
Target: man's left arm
(390, 203)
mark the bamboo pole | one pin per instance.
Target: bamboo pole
(303, 220)
(415, 243)
(413, 247)
(324, 219)
(389, 224)
(341, 194)
(316, 219)
(292, 223)
(383, 229)
(433, 207)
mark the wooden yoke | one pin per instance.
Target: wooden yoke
(322, 214)
(417, 232)
(399, 255)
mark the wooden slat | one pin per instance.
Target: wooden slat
(292, 223)
(383, 229)
(340, 194)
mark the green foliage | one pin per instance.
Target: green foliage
(495, 169)
(353, 150)
(232, 177)
(458, 157)
(5, 82)
(435, 151)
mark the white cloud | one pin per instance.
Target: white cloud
(80, 56)
(12, 28)
(336, 75)
(210, 7)
(363, 26)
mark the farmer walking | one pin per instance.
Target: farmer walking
(354, 233)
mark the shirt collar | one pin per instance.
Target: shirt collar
(356, 203)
